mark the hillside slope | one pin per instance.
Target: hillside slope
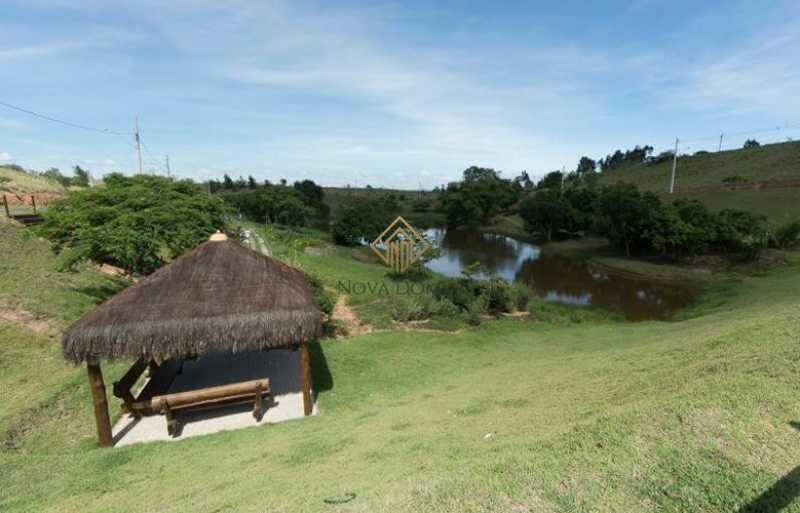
(14, 181)
(769, 162)
(513, 416)
(772, 162)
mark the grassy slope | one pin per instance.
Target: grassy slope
(768, 162)
(685, 416)
(22, 183)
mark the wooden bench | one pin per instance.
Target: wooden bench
(243, 392)
(161, 378)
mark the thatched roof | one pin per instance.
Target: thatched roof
(219, 296)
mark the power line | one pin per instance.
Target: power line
(61, 121)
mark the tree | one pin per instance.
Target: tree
(524, 180)
(251, 182)
(586, 166)
(551, 180)
(310, 191)
(227, 182)
(362, 221)
(275, 204)
(546, 212)
(751, 143)
(481, 195)
(54, 174)
(136, 223)
(478, 174)
(80, 177)
(626, 214)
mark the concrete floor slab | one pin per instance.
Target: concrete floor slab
(282, 367)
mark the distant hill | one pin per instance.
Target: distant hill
(701, 176)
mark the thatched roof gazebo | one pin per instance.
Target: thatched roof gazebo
(218, 297)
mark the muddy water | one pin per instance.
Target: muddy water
(556, 277)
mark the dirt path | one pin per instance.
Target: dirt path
(26, 319)
(348, 319)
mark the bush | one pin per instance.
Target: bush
(475, 311)
(324, 298)
(421, 205)
(788, 235)
(520, 296)
(362, 221)
(735, 179)
(421, 307)
(136, 223)
(459, 292)
(742, 232)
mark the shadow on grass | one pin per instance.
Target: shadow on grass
(320, 373)
(99, 293)
(779, 495)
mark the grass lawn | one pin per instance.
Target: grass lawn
(514, 415)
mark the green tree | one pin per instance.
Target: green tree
(362, 221)
(546, 212)
(551, 180)
(136, 223)
(626, 215)
(80, 177)
(586, 166)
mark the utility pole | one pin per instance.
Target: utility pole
(720, 143)
(674, 165)
(138, 144)
(169, 171)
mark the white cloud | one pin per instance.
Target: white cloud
(5, 156)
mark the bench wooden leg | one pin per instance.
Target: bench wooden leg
(172, 422)
(258, 407)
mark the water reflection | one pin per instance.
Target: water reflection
(557, 277)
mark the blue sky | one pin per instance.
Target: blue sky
(393, 93)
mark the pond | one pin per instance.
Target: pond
(556, 277)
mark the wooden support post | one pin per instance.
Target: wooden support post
(101, 417)
(305, 378)
(33, 202)
(5, 204)
(258, 407)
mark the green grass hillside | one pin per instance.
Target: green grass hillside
(13, 180)
(769, 162)
(512, 416)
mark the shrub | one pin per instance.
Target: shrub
(520, 296)
(324, 298)
(459, 292)
(408, 308)
(136, 223)
(421, 205)
(735, 179)
(475, 311)
(362, 221)
(496, 294)
(788, 235)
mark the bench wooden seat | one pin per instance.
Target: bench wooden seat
(243, 392)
